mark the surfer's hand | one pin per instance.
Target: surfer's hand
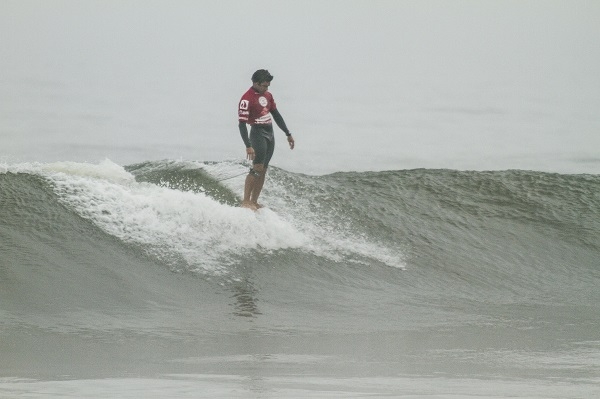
(291, 141)
(250, 153)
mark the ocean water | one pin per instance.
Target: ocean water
(435, 232)
(148, 280)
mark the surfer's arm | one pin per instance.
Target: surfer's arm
(244, 134)
(280, 122)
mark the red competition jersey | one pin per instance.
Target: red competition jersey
(255, 108)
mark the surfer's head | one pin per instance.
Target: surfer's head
(261, 80)
(261, 76)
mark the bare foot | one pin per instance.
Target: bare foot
(257, 205)
(249, 205)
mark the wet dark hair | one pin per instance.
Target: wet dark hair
(262, 75)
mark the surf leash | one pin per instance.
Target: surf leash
(231, 177)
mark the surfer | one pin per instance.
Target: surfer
(255, 109)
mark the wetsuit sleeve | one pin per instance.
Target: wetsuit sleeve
(280, 122)
(244, 134)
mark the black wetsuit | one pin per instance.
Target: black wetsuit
(262, 138)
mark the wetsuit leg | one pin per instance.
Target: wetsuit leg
(261, 139)
(260, 145)
(269, 152)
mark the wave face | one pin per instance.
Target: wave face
(93, 249)
(498, 233)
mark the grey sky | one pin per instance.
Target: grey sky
(337, 64)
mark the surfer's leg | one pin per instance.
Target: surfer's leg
(263, 151)
(256, 177)
(254, 182)
(259, 181)
(262, 171)
(248, 188)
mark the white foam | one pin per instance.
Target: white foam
(105, 170)
(194, 229)
(329, 235)
(173, 225)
